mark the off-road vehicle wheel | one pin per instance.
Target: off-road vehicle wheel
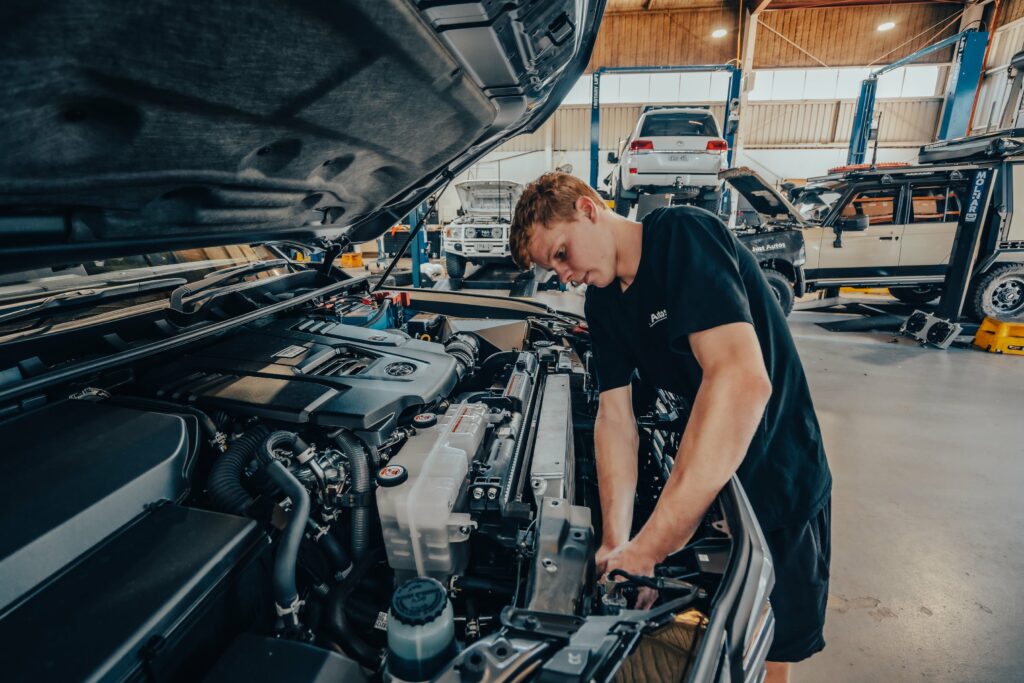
(622, 205)
(782, 288)
(999, 293)
(455, 265)
(712, 203)
(921, 294)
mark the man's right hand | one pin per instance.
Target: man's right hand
(601, 558)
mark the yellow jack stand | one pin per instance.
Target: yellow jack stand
(999, 337)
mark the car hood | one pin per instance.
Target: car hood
(175, 124)
(764, 198)
(489, 197)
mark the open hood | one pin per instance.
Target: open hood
(489, 197)
(765, 199)
(173, 124)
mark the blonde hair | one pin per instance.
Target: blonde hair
(549, 198)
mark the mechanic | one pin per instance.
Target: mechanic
(679, 300)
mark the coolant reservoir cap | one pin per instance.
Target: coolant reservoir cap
(419, 601)
(424, 420)
(391, 475)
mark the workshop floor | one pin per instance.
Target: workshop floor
(927, 454)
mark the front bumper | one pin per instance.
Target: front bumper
(479, 249)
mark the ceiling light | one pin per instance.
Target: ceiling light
(719, 33)
(886, 26)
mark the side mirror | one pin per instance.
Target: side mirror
(613, 158)
(853, 223)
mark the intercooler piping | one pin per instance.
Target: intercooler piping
(224, 485)
(359, 463)
(286, 593)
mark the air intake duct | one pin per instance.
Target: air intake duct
(465, 349)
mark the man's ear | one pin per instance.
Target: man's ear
(586, 206)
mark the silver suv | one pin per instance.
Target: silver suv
(677, 150)
(480, 233)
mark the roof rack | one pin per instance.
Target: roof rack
(996, 145)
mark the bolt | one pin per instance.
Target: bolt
(478, 494)
(531, 623)
(492, 494)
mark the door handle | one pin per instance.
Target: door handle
(889, 237)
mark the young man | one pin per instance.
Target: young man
(680, 300)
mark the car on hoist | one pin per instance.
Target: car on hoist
(222, 464)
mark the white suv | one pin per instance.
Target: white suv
(480, 233)
(677, 150)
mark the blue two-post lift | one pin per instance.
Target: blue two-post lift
(959, 98)
(731, 102)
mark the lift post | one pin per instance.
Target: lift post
(956, 113)
(419, 244)
(731, 103)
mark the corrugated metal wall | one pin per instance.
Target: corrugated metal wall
(992, 95)
(908, 122)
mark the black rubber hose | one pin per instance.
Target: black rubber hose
(224, 485)
(205, 422)
(359, 463)
(337, 556)
(380, 313)
(286, 591)
(347, 637)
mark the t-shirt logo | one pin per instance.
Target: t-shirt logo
(658, 316)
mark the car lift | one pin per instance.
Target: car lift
(959, 98)
(732, 103)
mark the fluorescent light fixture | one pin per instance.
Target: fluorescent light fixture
(719, 33)
(887, 26)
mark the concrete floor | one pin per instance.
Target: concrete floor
(927, 453)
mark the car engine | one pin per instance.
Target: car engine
(392, 488)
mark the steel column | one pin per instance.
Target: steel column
(862, 117)
(595, 126)
(963, 86)
(732, 103)
(419, 244)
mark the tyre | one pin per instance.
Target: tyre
(920, 294)
(781, 287)
(999, 293)
(455, 265)
(622, 206)
(712, 203)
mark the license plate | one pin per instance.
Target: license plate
(483, 233)
(483, 249)
(687, 189)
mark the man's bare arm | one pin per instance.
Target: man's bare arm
(728, 408)
(616, 442)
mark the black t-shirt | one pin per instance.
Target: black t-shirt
(695, 275)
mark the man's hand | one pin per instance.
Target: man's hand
(628, 557)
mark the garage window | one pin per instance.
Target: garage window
(878, 205)
(934, 204)
(679, 124)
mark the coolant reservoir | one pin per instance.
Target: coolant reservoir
(422, 533)
(421, 630)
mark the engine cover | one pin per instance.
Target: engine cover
(309, 370)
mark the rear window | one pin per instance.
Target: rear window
(679, 124)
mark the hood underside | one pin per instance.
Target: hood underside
(173, 124)
(764, 198)
(489, 197)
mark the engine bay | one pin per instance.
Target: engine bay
(362, 486)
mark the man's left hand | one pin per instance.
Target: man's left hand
(629, 558)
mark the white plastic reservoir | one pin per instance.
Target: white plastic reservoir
(422, 534)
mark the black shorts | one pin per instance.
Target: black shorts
(800, 554)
